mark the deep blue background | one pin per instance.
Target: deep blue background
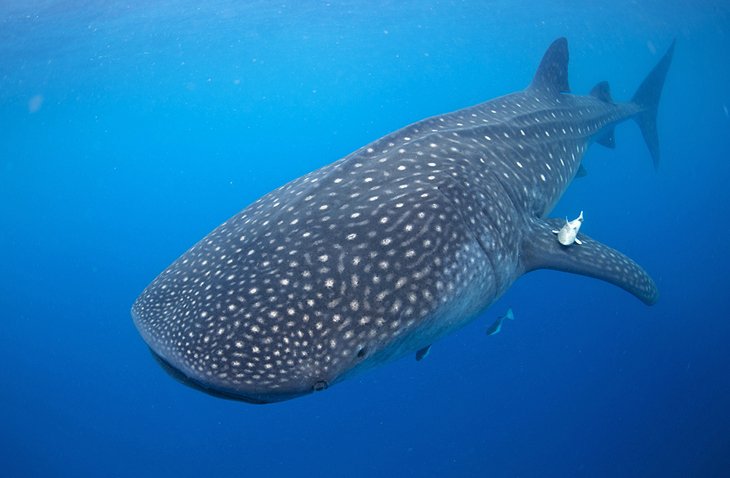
(130, 129)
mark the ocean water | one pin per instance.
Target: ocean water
(130, 129)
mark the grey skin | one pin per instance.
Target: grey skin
(383, 252)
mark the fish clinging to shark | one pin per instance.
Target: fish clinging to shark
(390, 248)
(568, 234)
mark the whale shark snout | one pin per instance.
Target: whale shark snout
(252, 395)
(233, 370)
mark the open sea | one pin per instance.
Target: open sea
(129, 129)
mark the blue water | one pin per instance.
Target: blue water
(130, 129)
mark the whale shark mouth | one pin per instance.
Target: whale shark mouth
(178, 375)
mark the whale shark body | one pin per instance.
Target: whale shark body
(383, 252)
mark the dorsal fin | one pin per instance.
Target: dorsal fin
(603, 92)
(552, 74)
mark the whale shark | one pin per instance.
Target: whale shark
(385, 251)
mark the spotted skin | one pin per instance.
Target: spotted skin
(384, 251)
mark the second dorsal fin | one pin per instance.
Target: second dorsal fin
(602, 91)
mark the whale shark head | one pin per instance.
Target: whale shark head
(252, 366)
(235, 332)
(325, 277)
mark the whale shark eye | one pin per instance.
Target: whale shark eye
(320, 385)
(362, 352)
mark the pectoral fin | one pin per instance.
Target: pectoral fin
(540, 250)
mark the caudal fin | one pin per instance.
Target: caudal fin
(647, 98)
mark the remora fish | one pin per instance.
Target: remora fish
(383, 252)
(497, 324)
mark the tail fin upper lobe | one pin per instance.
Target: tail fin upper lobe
(647, 98)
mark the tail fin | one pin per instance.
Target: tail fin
(647, 98)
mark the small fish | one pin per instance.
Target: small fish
(423, 353)
(567, 234)
(497, 325)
